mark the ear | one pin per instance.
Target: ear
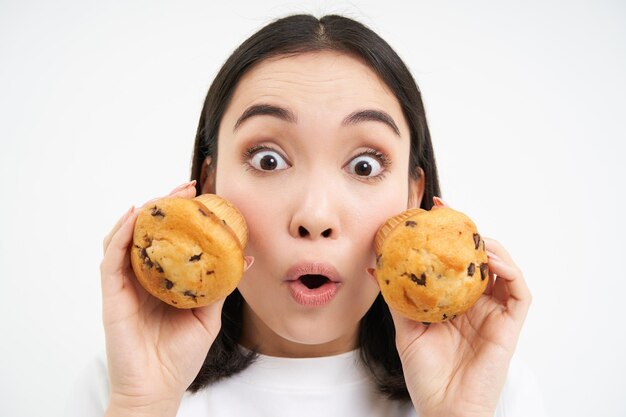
(207, 176)
(416, 189)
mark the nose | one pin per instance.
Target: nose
(316, 215)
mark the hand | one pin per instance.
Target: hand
(154, 351)
(458, 367)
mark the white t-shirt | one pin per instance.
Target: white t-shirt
(329, 386)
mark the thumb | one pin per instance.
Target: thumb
(211, 317)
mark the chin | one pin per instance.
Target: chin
(279, 329)
(317, 336)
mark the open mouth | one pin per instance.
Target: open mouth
(312, 281)
(313, 284)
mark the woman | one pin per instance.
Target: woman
(316, 131)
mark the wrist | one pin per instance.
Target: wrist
(120, 406)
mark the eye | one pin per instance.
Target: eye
(268, 160)
(365, 166)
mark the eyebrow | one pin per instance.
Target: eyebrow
(371, 116)
(265, 110)
(368, 115)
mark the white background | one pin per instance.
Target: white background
(99, 103)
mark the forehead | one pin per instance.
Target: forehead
(326, 81)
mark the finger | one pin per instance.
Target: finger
(515, 293)
(489, 287)
(501, 290)
(115, 259)
(186, 190)
(183, 186)
(496, 248)
(107, 238)
(438, 202)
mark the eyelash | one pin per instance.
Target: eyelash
(384, 160)
(248, 153)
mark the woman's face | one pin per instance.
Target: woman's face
(314, 151)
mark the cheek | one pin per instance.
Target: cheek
(373, 208)
(261, 216)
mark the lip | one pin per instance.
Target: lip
(313, 297)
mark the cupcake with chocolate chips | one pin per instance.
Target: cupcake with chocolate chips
(189, 252)
(431, 265)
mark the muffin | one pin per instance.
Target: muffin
(431, 265)
(189, 252)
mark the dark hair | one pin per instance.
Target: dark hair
(289, 36)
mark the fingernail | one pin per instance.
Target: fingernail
(130, 211)
(439, 202)
(493, 256)
(183, 186)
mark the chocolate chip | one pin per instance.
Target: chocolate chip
(471, 269)
(145, 258)
(476, 240)
(224, 221)
(425, 310)
(419, 281)
(445, 316)
(410, 223)
(202, 211)
(195, 258)
(157, 212)
(168, 284)
(210, 272)
(191, 294)
(158, 267)
(484, 271)
(387, 281)
(174, 302)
